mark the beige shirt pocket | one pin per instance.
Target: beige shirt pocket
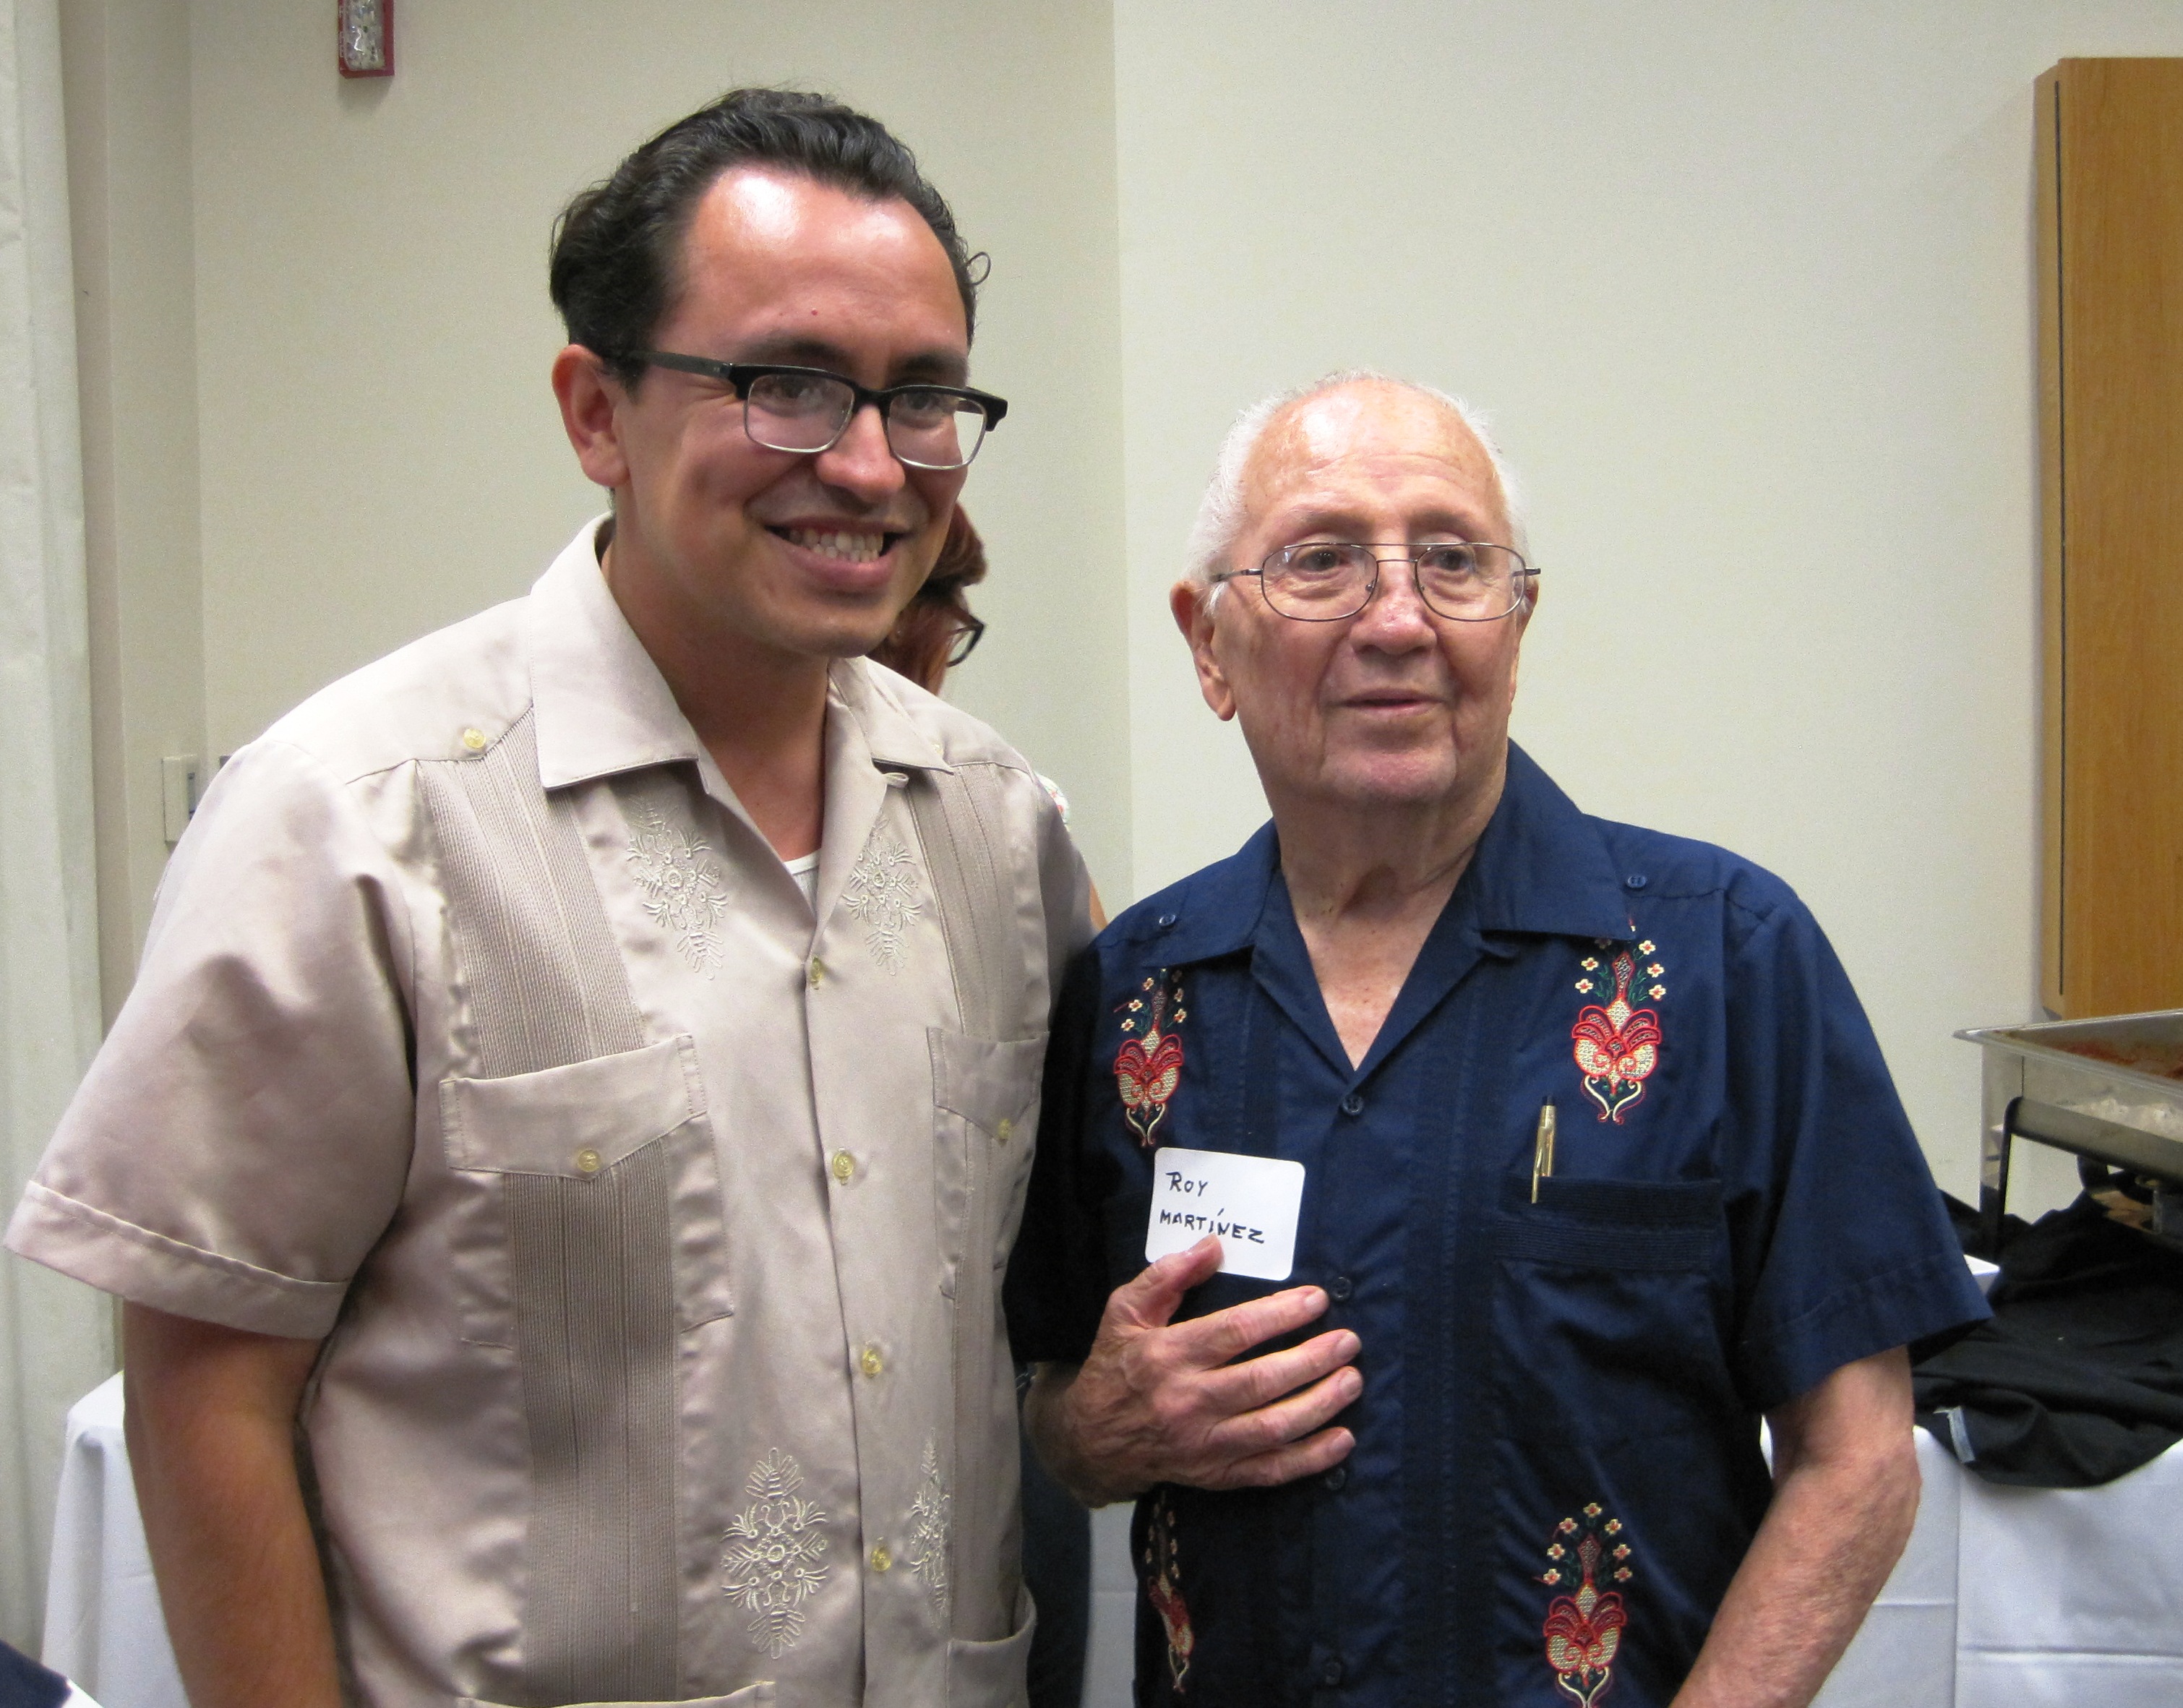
(633, 1126)
(991, 1675)
(985, 1095)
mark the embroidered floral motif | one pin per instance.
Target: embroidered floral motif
(883, 893)
(774, 1561)
(1163, 1590)
(1149, 1064)
(1617, 1047)
(926, 1550)
(1583, 1630)
(684, 891)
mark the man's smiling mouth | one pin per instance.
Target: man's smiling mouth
(850, 546)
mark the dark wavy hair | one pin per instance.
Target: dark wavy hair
(923, 635)
(618, 246)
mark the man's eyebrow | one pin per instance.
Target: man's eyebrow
(1335, 520)
(941, 367)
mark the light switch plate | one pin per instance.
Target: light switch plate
(178, 793)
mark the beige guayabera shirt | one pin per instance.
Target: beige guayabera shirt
(654, 1227)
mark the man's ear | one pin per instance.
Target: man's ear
(1523, 619)
(590, 400)
(1193, 608)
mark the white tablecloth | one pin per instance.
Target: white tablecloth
(2006, 1597)
(103, 1628)
(2028, 1598)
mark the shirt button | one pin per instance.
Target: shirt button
(1352, 1104)
(870, 1362)
(1335, 1478)
(816, 973)
(845, 1165)
(587, 1160)
(882, 1561)
(1330, 1670)
(896, 780)
(1635, 880)
(1005, 1131)
(1167, 921)
(1339, 1288)
(474, 740)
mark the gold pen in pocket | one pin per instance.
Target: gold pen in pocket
(1542, 1149)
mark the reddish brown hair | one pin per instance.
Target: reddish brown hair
(918, 644)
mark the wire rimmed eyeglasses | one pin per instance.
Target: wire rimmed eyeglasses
(809, 409)
(1326, 580)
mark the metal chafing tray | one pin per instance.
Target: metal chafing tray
(2110, 1089)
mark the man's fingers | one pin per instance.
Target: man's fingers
(1313, 1456)
(1289, 1419)
(1223, 1335)
(1148, 1300)
(1259, 1382)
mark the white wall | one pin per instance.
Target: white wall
(1746, 288)
(126, 95)
(1747, 291)
(381, 451)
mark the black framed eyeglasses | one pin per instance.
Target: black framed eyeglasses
(1325, 580)
(964, 641)
(809, 409)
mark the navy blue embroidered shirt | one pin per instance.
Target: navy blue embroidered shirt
(1556, 1469)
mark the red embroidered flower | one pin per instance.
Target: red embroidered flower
(1147, 1068)
(1163, 1592)
(1583, 1631)
(1617, 1047)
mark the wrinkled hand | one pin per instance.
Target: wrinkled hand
(1156, 1402)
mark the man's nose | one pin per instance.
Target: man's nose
(1396, 616)
(860, 462)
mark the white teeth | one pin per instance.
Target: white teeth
(856, 548)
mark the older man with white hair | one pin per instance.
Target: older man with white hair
(1569, 1139)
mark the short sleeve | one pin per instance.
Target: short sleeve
(243, 1138)
(1064, 886)
(1056, 1289)
(1844, 1247)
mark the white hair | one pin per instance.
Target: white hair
(1220, 515)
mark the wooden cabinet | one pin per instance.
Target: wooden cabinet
(2109, 140)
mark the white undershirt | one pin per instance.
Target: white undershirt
(805, 872)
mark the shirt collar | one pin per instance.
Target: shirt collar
(602, 707)
(1541, 867)
(869, 696)
(1218, 912)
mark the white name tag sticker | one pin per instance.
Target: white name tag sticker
(1250, 1202)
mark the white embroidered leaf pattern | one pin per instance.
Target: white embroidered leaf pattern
(684, 891)
(883, 893)
(926, 1550)
(776, 1558)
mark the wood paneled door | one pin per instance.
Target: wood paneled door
(2109, 141)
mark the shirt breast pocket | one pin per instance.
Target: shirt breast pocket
(1664, 1225)
(604, 1168)
(985, 1097)
(1613, 1298)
